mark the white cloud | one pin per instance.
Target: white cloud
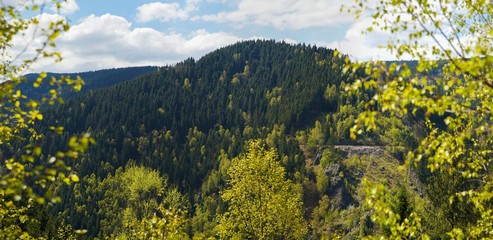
(290, 41)
(361, 46)
(67, 7)
(216, 1)
(283, 14)
(21, 4)
(24, 45)
(373, 45)
(165, 12)
(192, 5)
(203, 41)
(109, 41)
(366, 46)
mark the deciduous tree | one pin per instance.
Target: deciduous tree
(262, 203)
(452, 81)
(27, 170)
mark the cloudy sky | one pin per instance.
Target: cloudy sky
(117, 33)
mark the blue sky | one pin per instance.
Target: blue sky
(117, 33)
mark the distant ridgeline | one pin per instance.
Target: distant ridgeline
(182, 120)
(93, 80)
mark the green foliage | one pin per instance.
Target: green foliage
(397, 227)
(29, 170)
(186, 83)
(329, 156)
(439, 214)
(275, 136)
(322, 180)
(396, 135)
(455, 37)
(126, 203)
(331, 94)
(402, 204)
(166, 224)
(321, 218)
(316, 137)
(235, 80)
(246, 69)
(275, 96)
(262, 203)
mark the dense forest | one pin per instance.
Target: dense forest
(256, 140)
(167, 139)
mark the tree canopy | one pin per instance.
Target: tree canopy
(262, 204)
(452, 81)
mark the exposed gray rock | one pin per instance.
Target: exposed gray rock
(373, 151)
(333, 172)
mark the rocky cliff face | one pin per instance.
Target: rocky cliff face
(350, 151)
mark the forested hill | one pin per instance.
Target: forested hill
(186, 120)
(92, 79)
(245, 89)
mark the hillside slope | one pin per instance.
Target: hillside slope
(245, 89)
(186, 121)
